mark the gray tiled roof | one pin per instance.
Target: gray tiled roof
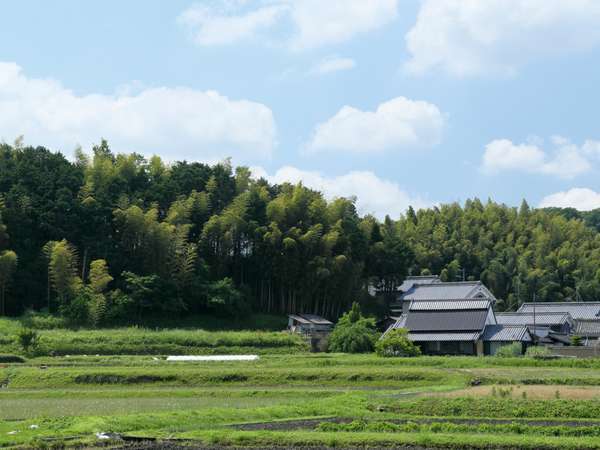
(540, 319)
(578, 310)
(589, 328)
(472, 320)
(506, 333)
(449, 305)
(447, 291)
(424, 279)
(444, 337)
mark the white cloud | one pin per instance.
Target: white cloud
(176, 123)
(333, 64)
(566, 161)
(321, 22)
(225, 24)
(315, 23)
(373, 195)
(472, 37)
(583, 199)
(399, 123)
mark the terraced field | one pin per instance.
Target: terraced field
(305, 400)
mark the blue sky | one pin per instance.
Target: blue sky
(394, 101)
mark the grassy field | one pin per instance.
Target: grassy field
(302, 399)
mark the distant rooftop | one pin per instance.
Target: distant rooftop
(423, 279)
(310, 319)
(506, 333)
(449, 305)
(540, 318)
(577, 310)
(448, 291)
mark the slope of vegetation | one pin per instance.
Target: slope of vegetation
(118, 239)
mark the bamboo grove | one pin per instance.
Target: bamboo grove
(115, 237)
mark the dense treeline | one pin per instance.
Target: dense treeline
(113, 237)
(116, 236)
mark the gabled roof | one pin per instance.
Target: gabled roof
(423, 279)
(542, 319)
(428, 321)
(506, 333)
(448, 291)
(449, 305)
(578, 310)
(310, 319)
(587, 328)
(444, 337)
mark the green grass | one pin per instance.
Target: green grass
(72, 398)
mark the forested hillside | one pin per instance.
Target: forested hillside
(117, 237)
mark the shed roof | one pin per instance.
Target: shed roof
(543, 319)
(506, 333)
(472, 320)
(578, 310)
(449, 305)
(444, 337)
(423, 279)
(587, 328)
(310, 319)
(447, 291)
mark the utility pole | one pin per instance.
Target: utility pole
(534, 328)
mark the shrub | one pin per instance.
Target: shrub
(510, 350)
(353, 333)
(41, 321)
(28, 339)
(396, 343)
(537, 352)
(11, 359)
(576, 341)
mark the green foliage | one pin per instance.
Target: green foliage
(196, 234)
(353, 333)
(576, 341)
(537, 352)
(28, 339)
(226, 300)
(510, 350)
(8, 264)
(396, 343)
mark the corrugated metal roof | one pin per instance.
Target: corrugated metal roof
(541, 318)
(506, 333)
(447, 291)
(310, 318)
(449, 305)
(446, 320)
(424, 279)
(589, 328)
(578, 310)
(317, 320)
(444, 337)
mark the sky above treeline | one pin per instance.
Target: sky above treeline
(396, 102)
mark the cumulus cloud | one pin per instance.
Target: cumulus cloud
(333, 64)
(224, 23)
(472, 37)
(567, 160)
(583, 199)
(315, 23)
(399, 123)
(176, 123)
(373, 195)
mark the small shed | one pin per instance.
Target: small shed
(315, 329)
(308, 324)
